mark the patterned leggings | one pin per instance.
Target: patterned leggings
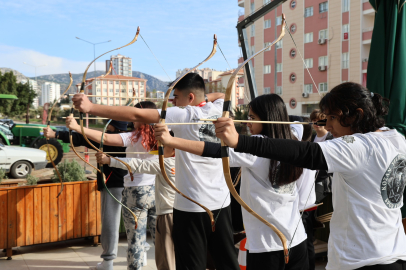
(141, 200)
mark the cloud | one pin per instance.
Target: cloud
(14, 57)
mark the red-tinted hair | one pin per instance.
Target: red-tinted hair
(145, 131)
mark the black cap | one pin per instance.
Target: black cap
(120, 125)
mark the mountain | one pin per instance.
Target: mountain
(19, 75)
(63, 80)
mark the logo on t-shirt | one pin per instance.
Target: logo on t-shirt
(207, 131)
(393, 182)
(348, 138)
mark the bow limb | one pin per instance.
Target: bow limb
(162, 120)
(224, 148)
(104, 177)
(48, 125)
(82, 89)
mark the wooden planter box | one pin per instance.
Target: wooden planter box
(32, 215)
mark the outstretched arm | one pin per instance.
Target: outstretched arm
(120, 113)
(214, 96)
(94, 135)
(162, 134)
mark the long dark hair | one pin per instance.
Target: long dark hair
(145, 132)
(347, 98)
(272, 108)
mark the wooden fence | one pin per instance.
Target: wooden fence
(32, 215)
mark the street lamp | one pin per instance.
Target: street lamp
(94, 51)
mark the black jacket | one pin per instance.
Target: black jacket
(117, 175)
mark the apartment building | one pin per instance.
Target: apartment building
(218, 82)
(122, 65)
(204, 72)
(334, 38)
(115, 89)
(34, 87)
(50, 92)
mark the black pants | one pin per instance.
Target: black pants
(307, 219)
(275, 260)
(193, 236)
(398, 265)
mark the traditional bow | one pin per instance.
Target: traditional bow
(82, 88)
(102, 173)
(224, 147)
(48, 125)
(162, 120)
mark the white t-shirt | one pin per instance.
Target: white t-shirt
(306, 189)
(277, 204)
(197, 177)
(140, 179)
(320, 139)
(369, 178)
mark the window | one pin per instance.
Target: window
(122, 90)
(117, 82)
(98, 90)
(110, 82)
(292, 77)
(346, 30)
(278, 90)
(309, 62)
(266, 2)
(323, 61)
(142, 84)
(123, 83)
(266, 44)
(323, 34)
(308, 88)
(111, 90)
(105, 99)
(345, 60)
(323, 87)
(346, 6)
(252, 30)
(97, 82)
(308, 37)
(267, 24)
(279, 67)
(293, 28)
(323, 7)
(267, 69)
(278, 20)
(252, 7)
(105, 82)
(267, 90)
(308, 12)
(279, 44)
(293, 4)
(292, 53)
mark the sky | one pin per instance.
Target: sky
(179, 32)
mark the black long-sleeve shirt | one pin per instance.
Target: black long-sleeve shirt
(300, 154)
(117, 175)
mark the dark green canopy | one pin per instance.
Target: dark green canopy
(387, 59)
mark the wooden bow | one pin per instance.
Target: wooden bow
(48, 125)
(224, 147)
(162, 120)
(82, 89)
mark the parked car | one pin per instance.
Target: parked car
(19, 161)
(8, 122)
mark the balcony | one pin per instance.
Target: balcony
(241, 3)
(367, 35)
(367, 9)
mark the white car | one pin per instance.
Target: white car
(19, 161)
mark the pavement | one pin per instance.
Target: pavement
(71, 254)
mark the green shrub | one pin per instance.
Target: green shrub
(3, 175)
(31, 180)
(70, 172)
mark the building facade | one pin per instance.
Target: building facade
(50, 92)
(204, 72)
(218, 82)
(334, 38)
(34, 86)
(160, 95)
(115, 90)
(122, 65)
